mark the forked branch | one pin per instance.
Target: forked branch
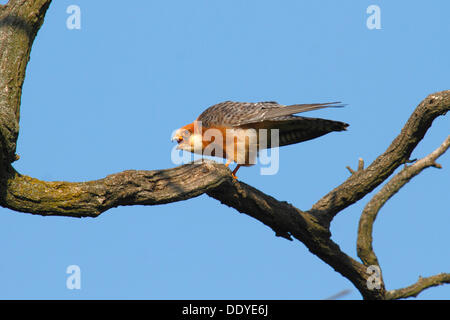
(370, 212)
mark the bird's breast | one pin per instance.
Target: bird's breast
(235, 144)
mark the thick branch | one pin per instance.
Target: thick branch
(80, 199)
(287, 220)
(370, 212)
(19, 24)
(132, 187)
(398, 153)
(419, 286)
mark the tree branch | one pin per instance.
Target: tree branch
(89, 199)
(370, 212)
(287, 220)
(360, 166)
(398, 153)
(422, 284)
(19, 23)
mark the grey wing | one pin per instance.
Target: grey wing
(233, 114)
(236, 114)
(272, 112)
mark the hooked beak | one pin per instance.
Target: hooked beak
(177, 138)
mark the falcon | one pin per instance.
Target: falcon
(238, 128)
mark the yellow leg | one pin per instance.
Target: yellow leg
(228, 163)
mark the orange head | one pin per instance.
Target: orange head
(187, 139)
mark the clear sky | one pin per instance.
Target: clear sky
(106, 98)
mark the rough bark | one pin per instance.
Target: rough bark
(398, 153)
(19, 24)
(416, 288)
(20, 21)
(370, 212)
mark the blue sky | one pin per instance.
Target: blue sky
(107, 97)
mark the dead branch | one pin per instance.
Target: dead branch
(398, 153)
(370, 212)
(422, 284)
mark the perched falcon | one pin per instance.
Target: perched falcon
(237, 128)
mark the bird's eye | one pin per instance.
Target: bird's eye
(185, 133)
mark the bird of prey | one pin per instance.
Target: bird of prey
(237, 128)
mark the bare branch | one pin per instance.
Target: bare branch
(350, 170)
(80, 199)
(360, 166)
(370, 212)
(19, 24)
(422, 284)
(286, 221)
(398, 153)
(131, 187)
